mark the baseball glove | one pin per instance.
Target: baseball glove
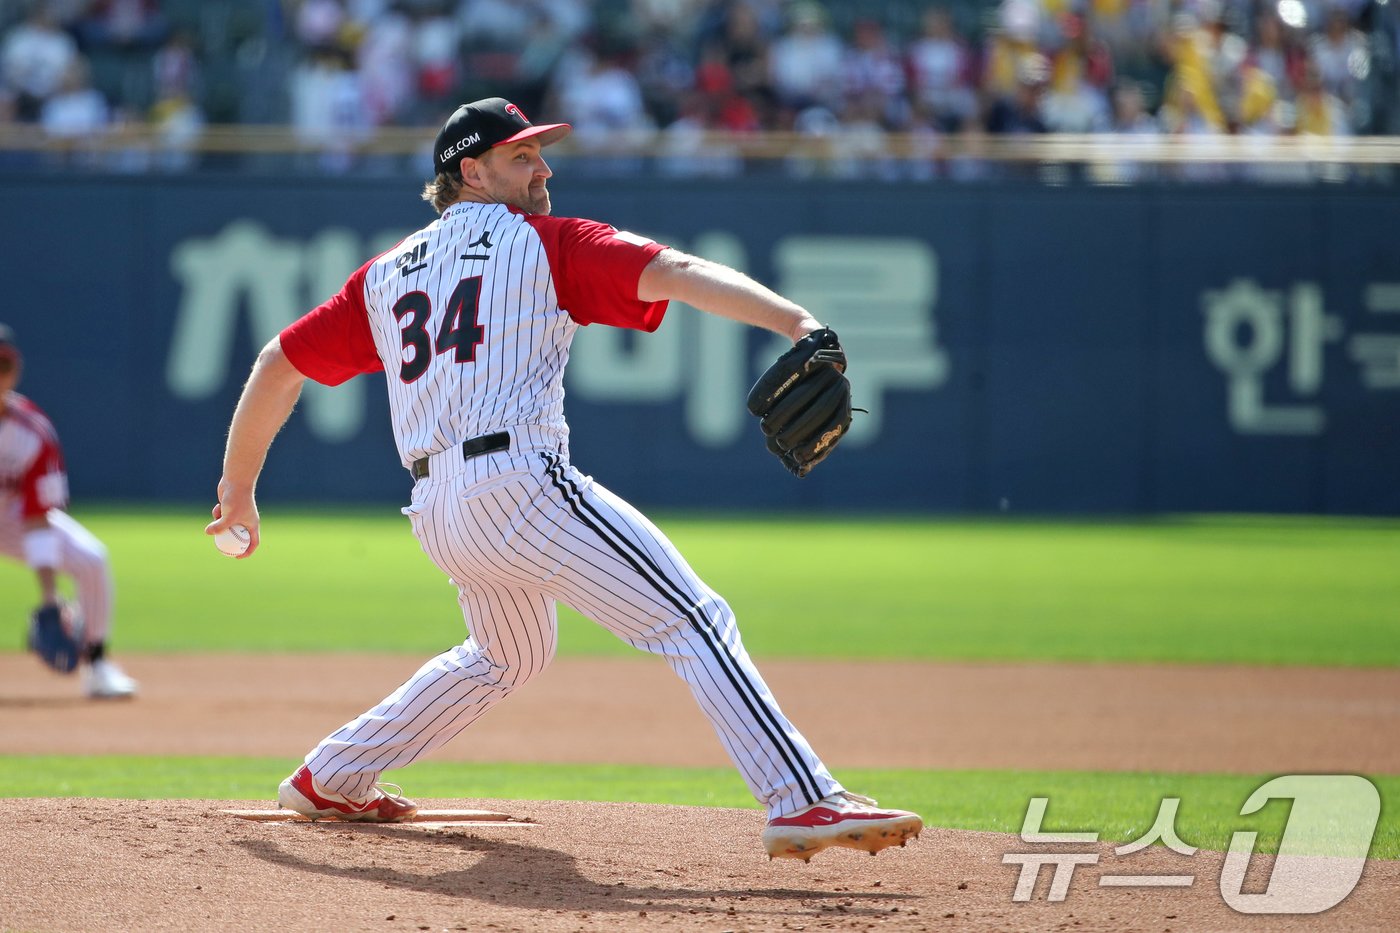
(51, 640)
(803, 401)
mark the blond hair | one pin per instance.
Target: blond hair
(443, 191)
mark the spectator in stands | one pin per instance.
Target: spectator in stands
(384, 62)
(1319, 112)
(437, 41)
(178, 122)
(817, 127)
(940, 64)
(671, 17)
(665, 74)
(1075, 101)
(122, 24)
(319, 23)
(803, 62)
(1130, 118)
(175, 68)
(603, 102)
(1022, 111)
(1126, 26)
(1342, 57)
(494, 23)
(78, 113)
(1192, 102)
(175, 113)
(549, 39)
(922, 158)
(872, 77)
(1275, 52)
(687, 146)
(1015, 40)
(1187, 118)
(1130, 114)
(745, 51)
(1221, 50)
(76, 110)
(1080, 49)
(1263, 116)
(1258, 104)
(328, 110)
(712, 77)
(34, 59)
(863, 149)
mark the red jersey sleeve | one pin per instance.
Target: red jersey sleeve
(332, 342)
(596, 268)
(44, 484)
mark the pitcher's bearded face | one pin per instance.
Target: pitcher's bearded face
(517, 174)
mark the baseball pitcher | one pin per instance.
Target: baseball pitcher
(470, 320)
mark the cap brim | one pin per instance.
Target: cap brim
(548, 133)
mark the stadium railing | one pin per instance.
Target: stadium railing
(1099, 152)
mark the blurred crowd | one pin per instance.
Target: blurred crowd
(662, 73)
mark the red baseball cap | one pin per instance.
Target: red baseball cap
(484, 124)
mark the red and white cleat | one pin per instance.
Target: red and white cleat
(301, 793)
(843, 819)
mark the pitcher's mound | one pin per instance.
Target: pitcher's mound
(79, 864)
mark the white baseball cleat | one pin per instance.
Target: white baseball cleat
(103, 680)
(843, 819)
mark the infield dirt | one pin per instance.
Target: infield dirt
(73, 864)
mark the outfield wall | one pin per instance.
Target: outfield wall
(1041, 350)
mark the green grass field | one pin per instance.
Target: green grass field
(1121, 807)
(1211, 590)
(1230, 589)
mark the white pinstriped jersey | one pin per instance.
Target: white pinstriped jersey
(32, 477)
(34, 484)
(471, 319)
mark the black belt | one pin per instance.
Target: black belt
(485, 444)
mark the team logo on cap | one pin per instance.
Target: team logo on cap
(511, 108)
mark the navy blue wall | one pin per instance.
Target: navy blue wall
(1036, 349)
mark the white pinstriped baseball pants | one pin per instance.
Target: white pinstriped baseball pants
(518, 532)
(83, 558)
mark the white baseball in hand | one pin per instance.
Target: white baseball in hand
(233, 540)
